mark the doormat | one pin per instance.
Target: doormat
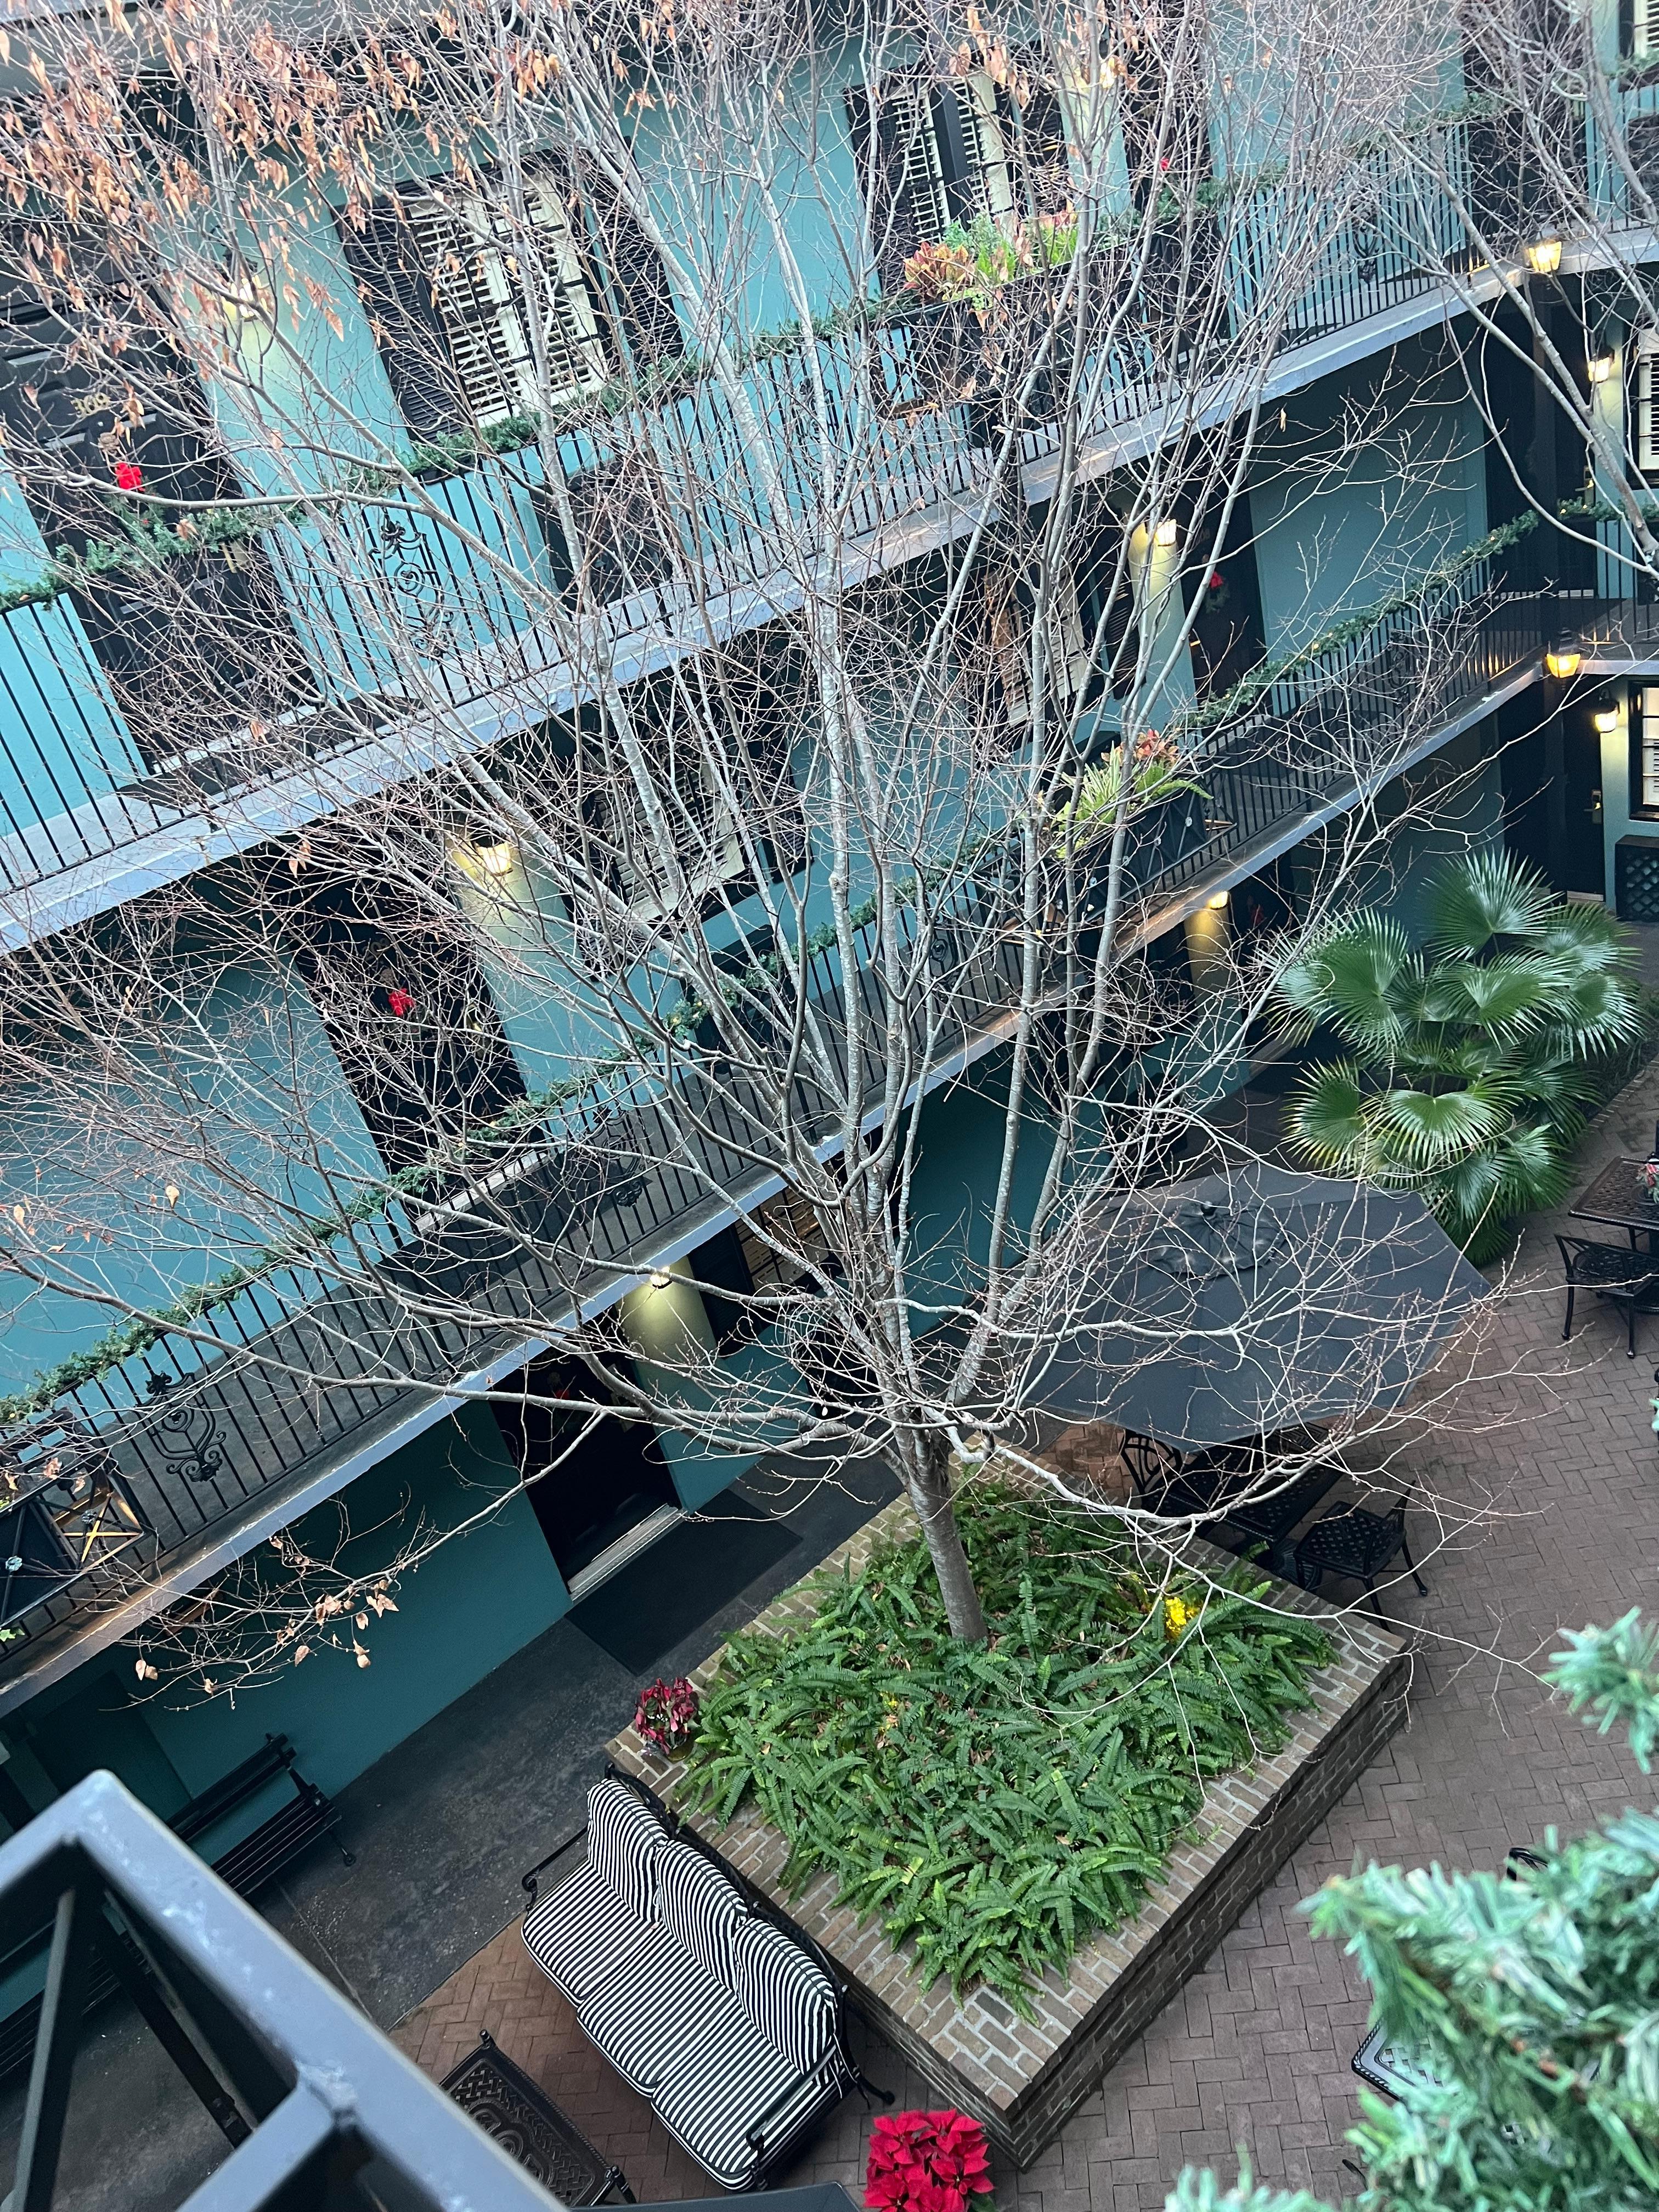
(684, 1580)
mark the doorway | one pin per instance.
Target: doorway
(611, 1492)
(407, 1012)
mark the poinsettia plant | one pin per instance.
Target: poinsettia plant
(666, 1714)
(926, 2162)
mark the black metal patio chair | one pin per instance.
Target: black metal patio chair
(1152, 1466)
(1356, 1546)
(1625, 1278)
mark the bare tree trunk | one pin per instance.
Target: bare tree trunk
(924, 1460)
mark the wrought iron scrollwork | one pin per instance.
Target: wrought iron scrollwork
(404, 561)
(187, 1434)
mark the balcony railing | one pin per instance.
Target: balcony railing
(683, 528)
(207, 1438)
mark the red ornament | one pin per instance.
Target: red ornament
(926, 2162)
(400, 1001)
(128, 476)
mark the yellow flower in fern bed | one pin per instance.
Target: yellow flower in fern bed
(1177, 1615)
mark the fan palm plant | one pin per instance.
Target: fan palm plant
(1470, 1059)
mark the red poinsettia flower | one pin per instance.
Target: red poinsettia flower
(926, 2162)
(128, 476)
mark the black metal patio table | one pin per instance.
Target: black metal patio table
(1617, 1199)
(531, 2128)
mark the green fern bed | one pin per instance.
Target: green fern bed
(1000, 1805)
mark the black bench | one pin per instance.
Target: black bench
(248, 1867)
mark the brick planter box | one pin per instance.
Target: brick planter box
(1023, 2078)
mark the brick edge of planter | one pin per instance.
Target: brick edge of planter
(1204, 1892)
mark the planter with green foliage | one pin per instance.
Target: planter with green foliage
(1471, 1059)
(996, 1806)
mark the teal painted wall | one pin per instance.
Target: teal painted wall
(474, 1602)
(1458, 794)
(1364, 489)
(276, 1113)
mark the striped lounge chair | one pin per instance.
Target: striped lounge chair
(730, 2025)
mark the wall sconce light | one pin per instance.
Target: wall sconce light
(1605, 720)
(1599, 368)
(1218, 904)
(1562, 664)
(659, 1279)
(495, 859)
(1544, 256)
(1168, 531)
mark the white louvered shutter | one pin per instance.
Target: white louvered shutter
(485, 289)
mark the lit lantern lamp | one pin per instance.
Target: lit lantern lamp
(494, 860)
(1544, 256)
(1562, 662)
(1599, 368)
(1168, 531)
(1606, 720)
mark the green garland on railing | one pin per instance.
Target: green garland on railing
(1244, 694)
(147, 545)
(422, 1182)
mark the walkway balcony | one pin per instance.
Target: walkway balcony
(209, 1443)
(418, 642)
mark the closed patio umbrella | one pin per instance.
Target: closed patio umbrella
(1238, 1304)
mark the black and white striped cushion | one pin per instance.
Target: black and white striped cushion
(717, 2090)
(699, 1907)
(625, 1837)
(661, 2004)
(786, 1993)
(582, 1935)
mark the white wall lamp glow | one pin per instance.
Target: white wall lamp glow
(495, 860)
(1606, 720)
(1598, 368)
(1168, 531)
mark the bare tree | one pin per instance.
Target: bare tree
(702, 730)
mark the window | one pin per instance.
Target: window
(1643, 39)
(461, 301)
(1645, 405)
(931, 152)
(790, 1222)
(486, 293)
(1069, 662)
(1644, 753)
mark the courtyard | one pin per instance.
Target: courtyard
(1538, 1509)
(1546, 1480)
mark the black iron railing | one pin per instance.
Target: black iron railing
(420, 629)
(319, 2112)
(203, 1435)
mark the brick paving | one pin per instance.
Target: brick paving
(1542, 1480)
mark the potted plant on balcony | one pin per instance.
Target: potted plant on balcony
(985, 299)
(1159, 827)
